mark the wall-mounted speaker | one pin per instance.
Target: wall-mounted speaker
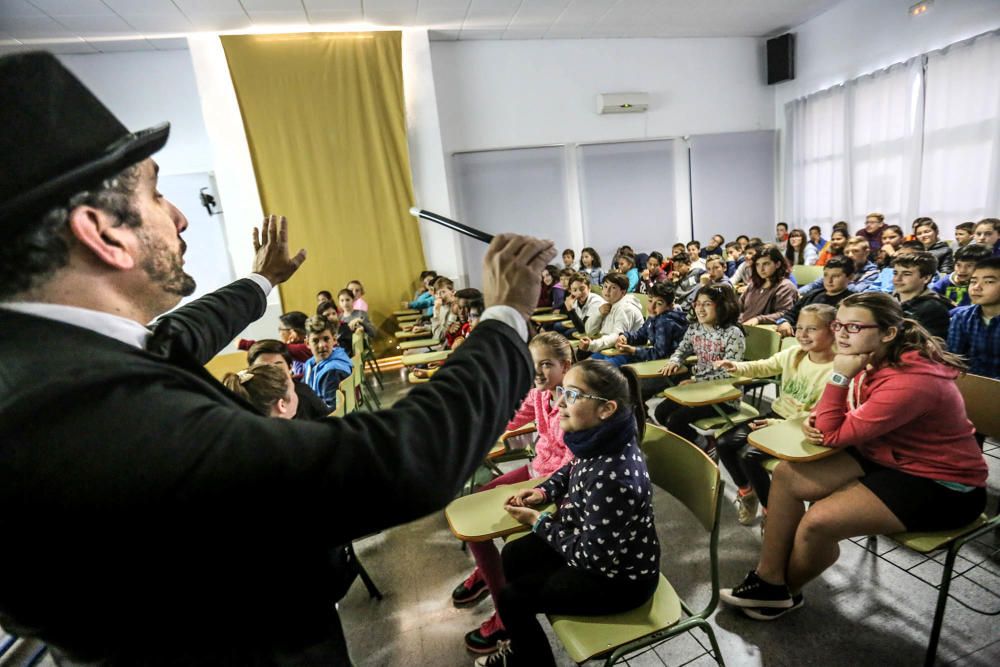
(781, 58)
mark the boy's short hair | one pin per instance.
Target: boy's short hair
(443, 281)
(743, 236)
(325, 294)
(618, 279)
(857, 240)
(268, 346)
(732, 244)
(663, 291)
(681, 258)
(817, 228)
(926, 223)
(921, 220)
(969, 227)
(424, 274)
(345, 292)
(878, 216)
(694, 242)
(657, 255)
(294, 320)
(912, 245)
(991, 263)
(782, 224)
(677, 245)
(845, 264)
(840, 224)
(924, 262)
(317, 325)
(713, 258)
(628, 257)
(469, 293)
(567, 272)
(580, 278)
(990, 221)
(972, 252)
(570, 252)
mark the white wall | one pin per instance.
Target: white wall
(856, 37)
(494, 94)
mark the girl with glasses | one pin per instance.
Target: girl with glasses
(598, 552)
(552, 357)
(908, 458)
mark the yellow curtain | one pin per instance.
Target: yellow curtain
(325, 121)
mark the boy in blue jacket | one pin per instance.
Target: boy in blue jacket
(329, 364)
(658, 336)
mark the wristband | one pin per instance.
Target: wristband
(543, 515)
(840, 379)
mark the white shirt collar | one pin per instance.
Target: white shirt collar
(122, 329)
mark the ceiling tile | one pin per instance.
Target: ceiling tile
(154, 23)
(72, 7)
(440, 18)
(106, 24)
(210, 22)
(65, 46)
(585, 12)
(525, 33)
(481, 34)
(322, 16)
(252, 6)
(193, 8)
(490, 14)
(443, 35)
(30, 27)
(539, 13)
(279, 17)
(141, 6)
(391, 12)
(18, 8)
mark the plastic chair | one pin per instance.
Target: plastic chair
(366, 392)
(761, 343)
(685, 472)
(806, 274)
(643, 301)
(980, 394)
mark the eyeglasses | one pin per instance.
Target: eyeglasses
(852, 327)
(572, 394)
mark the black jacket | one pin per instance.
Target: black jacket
(931, 310)
(150, 517)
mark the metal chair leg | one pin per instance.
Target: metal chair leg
(942, 603)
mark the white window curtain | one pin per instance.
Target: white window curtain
(961, 163)
(816, 173)
(918, 138)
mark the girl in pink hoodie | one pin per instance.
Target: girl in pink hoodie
(552, 356)
(908, 458)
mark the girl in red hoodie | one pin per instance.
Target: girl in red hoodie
(552, 356)
(908, 458)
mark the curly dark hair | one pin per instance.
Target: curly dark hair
(41, 247)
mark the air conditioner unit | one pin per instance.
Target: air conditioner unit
(622, 103)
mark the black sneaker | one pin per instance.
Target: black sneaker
(470, 591)
(765, 614)
(487, 637)
(755, 592)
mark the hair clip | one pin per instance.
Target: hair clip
(244, 376)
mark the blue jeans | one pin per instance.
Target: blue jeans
(618, 360)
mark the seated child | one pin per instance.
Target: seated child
(659, 335)
(292, 332)
(552, 294)
(329, 364)
(621, 313)
(964, 234)
(804, 372)
(569, 259)
(974, 332)
(552, 357)
(908, 460)
(955, 285)
(684, 278)
(626, 265)
(770, 294)
(598, 553)
(913, 273)
(836, 276)
(352, 317)
(424, 299)
(358, 291)
(275, 353)
(469, 306)
(590, 264)
(582, 306)
(988, 234)
(345, 338)
(714, 337)
(267, 388)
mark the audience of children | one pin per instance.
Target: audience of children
(866, 273)
(598, 553)
(909, 458)
(804, 371)
(836, 276)
(329, 363)
(621, 313)
(771, 294)
(716, 335)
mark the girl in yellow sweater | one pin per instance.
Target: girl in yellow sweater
(804, 373)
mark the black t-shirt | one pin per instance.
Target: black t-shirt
(311, 406)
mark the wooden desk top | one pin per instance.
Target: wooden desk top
(405, 311)
(480, 516)
(785, 440)
(707, 392)
(548, 317)
(648, 369)
(417, 344)
(424, 358)
(405, 334)
(541, 310)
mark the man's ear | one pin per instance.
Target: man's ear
(96, 230)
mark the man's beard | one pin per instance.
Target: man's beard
(166, 268)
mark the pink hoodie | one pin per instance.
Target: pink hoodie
(550, 450)
(911, 418)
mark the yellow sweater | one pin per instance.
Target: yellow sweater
(802, 383)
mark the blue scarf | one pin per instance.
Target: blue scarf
(607, 438)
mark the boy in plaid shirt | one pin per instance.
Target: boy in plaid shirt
(975, 330)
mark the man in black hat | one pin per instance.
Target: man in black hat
(150, 516)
